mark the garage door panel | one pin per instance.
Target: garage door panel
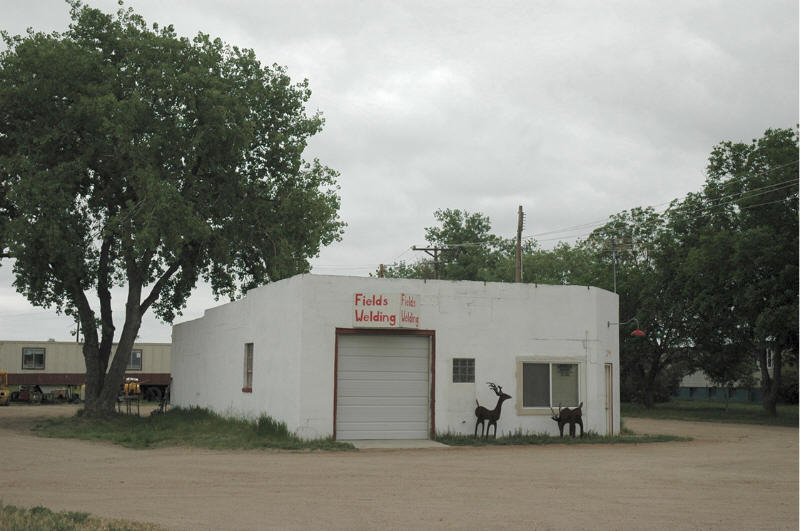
(383, 363)
(377, 414)
(394, 343)
(382, 376)
(368, 389)
(384, 401)
(383, 387)
(392, 430)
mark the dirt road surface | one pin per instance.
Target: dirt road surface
(730, 477)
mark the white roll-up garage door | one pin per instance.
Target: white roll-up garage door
(383, 387)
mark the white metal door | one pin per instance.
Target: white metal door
(382, 387)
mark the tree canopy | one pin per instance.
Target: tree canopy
(738, 241)
(133, 157)
(713, 279)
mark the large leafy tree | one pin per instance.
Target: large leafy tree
(739, 238)
(132, 157)
(466, 249)
(564, 264)
(636, 244)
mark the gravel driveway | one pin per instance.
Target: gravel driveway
(730, 477)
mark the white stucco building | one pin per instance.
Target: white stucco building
(372, 358)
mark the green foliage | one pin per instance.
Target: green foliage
(196, 427)
(470, 251)
(738, 243)
(40, 518)
(788, 393)
(713, 411)
(563, 265)
(522, 438)
(713, 280)
(130, 156)
(636, 246)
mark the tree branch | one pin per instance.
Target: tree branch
(104, 294)
(159, 285)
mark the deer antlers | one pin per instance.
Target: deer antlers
(498, 390)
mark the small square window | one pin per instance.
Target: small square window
(463, 370)
(247, 386)
(135, 361)
(33, 358)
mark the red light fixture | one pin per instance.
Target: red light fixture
(636, 333)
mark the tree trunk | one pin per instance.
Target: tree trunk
(770, 385)
(650, 390)
(102, 400)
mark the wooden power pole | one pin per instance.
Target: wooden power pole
(518, 268)
(436, 254)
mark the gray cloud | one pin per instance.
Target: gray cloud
(574, 110)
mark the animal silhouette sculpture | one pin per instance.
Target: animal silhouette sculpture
(492, 415)
(568, 416)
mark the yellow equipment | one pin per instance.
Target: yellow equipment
(131, 387)
(5, 392)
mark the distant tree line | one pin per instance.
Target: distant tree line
(713, 278)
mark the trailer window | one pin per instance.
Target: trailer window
(135, 361)
(33, 358)
(247, 386)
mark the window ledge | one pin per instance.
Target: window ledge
(247, 389)
(534, 411)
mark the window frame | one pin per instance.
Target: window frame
(33, 357)
(463, 372)
(552, 363)
(141, 356)
(247, 382)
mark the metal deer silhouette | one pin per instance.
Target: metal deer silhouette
(568, 416)
(492, 415)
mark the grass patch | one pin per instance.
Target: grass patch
(195, 427)
(520, 438)
(43, 519)
(713, 411)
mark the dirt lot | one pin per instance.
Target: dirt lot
(729, 477)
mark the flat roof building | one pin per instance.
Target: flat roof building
(374, 358)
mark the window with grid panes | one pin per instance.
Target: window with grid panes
(463, 370)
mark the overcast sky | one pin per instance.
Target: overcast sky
(574, 110)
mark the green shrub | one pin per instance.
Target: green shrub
(193, 426)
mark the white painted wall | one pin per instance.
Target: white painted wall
(292, 324)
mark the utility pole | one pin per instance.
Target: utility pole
(614, 261)
(434, 252)
(518, 268)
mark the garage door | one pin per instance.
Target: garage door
(382, 389)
